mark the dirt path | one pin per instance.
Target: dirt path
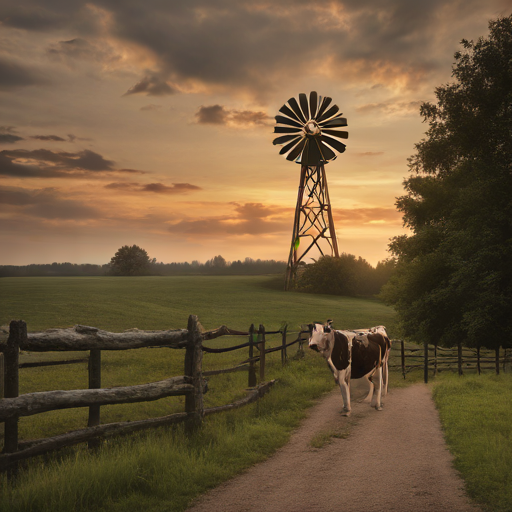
(394, 460)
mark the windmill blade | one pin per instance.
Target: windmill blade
(284, 139)
(289, 146)
(336, 133)
(333, 123)
(327, 153)
(289, 122)
(289, 112)
(336, 144)
(284, 129)
(294, 153)
(313, 104)
(325, 103)
(326, 115)
(303, 99)
(295, 107)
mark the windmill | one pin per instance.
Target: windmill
(309, 133)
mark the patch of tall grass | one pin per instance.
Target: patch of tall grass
(476, 414)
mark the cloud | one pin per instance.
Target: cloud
(152, 85)
(55, 138)
(218, 114)
(9, 138)
(370, 153)
(367, 216)
(45, 204)
(247, 219)
(150, 108)
(45, 163)
(392, 106)
(14, 75)
(157, 188)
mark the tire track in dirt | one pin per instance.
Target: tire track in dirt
(393, 460)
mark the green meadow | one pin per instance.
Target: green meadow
(163, 469)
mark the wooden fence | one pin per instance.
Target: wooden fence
(192, 384)
(433, 359)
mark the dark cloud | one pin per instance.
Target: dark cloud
(39, 15)
(157, 188)
(14, 75)
(44, 163)
(215, 114)
(9, 138)
(247, 219)
(45, 204)
(259, 46)
(152, 85)
(218, 114)
(55, 138)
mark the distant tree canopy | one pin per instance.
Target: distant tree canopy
(130, 261)
(346, 275)
(453, 280)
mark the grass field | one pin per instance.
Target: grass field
(163, 469)
(476, 414)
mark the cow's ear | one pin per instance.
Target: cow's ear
(329, 323)
(310, 327)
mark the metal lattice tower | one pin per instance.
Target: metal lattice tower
(312, 140)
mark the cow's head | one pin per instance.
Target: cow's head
(321, 338)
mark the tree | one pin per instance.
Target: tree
(453, 280)
(130, 261)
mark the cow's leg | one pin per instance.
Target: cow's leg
(344, 382)
(377, 397)
(368, 397)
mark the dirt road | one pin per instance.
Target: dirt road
(393, 460)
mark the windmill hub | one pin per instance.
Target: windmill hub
(312, 128)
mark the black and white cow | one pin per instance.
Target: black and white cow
(351, 356)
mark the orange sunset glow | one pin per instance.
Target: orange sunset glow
(151, 123)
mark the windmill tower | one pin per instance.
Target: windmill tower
(311, 139)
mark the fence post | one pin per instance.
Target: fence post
(193, 368)
(402, 356)
(497, 351)
(17, 334)
(252, 371)
(262, 353)
(435, 359)
(94, 383)
(478, 359)
(459, 357)
(284, 355)
(425, 362)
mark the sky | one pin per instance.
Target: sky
(151, 123)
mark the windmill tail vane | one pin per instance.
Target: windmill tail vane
(309, 133)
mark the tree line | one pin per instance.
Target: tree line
(453, 279)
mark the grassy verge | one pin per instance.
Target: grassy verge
(476, 414)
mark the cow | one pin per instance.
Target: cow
(350, 356)
(380, 329)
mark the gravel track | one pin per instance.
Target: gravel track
(392, 460)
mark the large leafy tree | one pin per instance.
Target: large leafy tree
(453, 280)
(130, 261)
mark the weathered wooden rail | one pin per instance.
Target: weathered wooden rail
(192, 384)
(434, 359)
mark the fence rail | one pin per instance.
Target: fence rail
(192, 384)
(437, 359)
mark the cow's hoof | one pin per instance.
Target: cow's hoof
(346, 413)
(378, 407)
